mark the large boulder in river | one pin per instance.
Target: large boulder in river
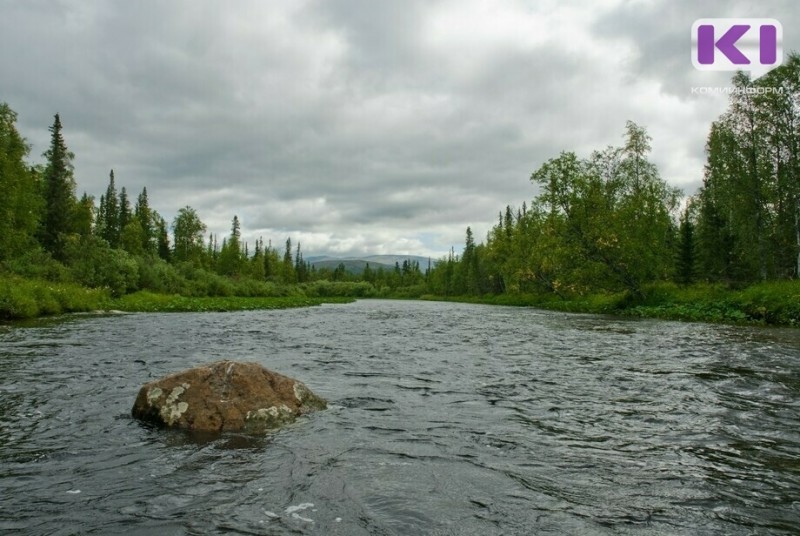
(225, 396)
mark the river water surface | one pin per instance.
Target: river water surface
(444, 419)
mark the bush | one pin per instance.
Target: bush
(156, 275)
(38, 264)
(94, 264)
(24, 298)
(774, 302)
(342, 289)
(260, 289)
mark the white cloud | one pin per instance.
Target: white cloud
(355, 125)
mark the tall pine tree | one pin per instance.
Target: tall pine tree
(59, 194)
(110, 211)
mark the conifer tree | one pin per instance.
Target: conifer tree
(271, 262)
(230, 258)
(59, 194)
(300, 268)
(125, 213)
(84, 216)
(144, 215)
(162, 237)
(288, 274)
(110, 211)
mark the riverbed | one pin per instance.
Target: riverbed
(444, 419)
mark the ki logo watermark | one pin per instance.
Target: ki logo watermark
(754, 45)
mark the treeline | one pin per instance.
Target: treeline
(603, 224)
(610, 223)
(123, 245)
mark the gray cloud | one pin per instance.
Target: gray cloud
(354, 126)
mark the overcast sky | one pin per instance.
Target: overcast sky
(358, 127)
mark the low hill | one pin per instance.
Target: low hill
(357, 265)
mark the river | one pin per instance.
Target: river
(444, 419)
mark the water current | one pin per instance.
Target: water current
(444, 419)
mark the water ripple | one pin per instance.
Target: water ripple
(444, 419)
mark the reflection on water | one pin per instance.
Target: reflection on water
(444, 419)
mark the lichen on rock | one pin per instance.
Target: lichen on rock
(268, 418)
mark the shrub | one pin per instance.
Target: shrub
(94, 264)
(156, 275)
(24, 298)
(38, 264)
(343, 289)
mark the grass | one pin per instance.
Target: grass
(148, 302)
(773, 303)
(22, 298)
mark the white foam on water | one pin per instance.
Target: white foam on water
(73, 491)
(292, 510)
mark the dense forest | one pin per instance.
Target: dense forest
(603, 224)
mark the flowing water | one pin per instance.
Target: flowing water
(443, 419)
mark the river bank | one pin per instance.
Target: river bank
(22, 298)
(772, 303)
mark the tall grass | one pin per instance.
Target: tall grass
(148, 302)
(28, 298)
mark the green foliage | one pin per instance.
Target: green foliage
(686, 263)
(600, 237)
(188, 233)
(20, 199)
(156, 275)
(132, 238)
(94, 264)
(326, 289)
(603, 223)
(149, 302)
(749, 218)
(286, 269)
(108, 213)
(774, 302)
(231, 259)
(59, 194)
(27, 298)
(38, 264)
(147, 222)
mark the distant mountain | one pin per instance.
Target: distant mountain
(356, 265)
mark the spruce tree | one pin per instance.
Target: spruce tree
(288, 274)
(162, 237)
(125, 213)
(110, 211)
(230, 258)
(59, 194)
(144, 215)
